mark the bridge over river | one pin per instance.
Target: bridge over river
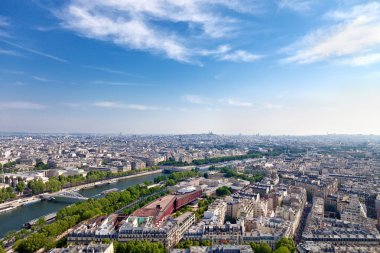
(64, 196)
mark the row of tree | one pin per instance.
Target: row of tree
(284, 245)
(139, 247)
(186, 244)
(55, 184)
(228, 172)
(175, 177)
(6, 194)
(73, 214)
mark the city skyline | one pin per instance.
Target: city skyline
(295, 67)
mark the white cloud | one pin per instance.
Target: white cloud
(139, 24)
(10, 52)
(355, 32)
(21, 105)
(117, 83)
(141, 107)
(363, 60)
(43, 79)
(234, 102)
(117, 105)
(296, 5)
(240, 56)
(30, 50)
(225, 53)
(108, 104)
(4, 21)
(195, 99)
(112, 71)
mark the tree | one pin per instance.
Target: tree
(20, 186)
(205, 175)
(37, 186)
(223, 191)
(2, 249)
(261, 247)
(286, 242)
(170, 182)
(53, 185)
(282, 249)
(206, 243)
(32, 243)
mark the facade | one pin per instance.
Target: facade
(83, 248)
(169, 233)
(216, 249)
(355, 211)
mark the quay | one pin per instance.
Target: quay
(10, 205)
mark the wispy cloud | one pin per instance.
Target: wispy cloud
(141, 107)
(363, 60)
(240, 56)
(195, 99)
(21, 105)
(200, 100)
(226, 53)
(110, 83)
(108, 104)
(4, 23)
(354, 33)
(45, 28)
(43, 79)
(112, 71)
(139, 24)
(118, 105)
(73, 105)
(234, 102)
(30, 50)
(10, 53)
(296, 5)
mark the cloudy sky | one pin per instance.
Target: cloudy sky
(190, 66)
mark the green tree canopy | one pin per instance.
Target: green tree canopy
(286, 242)
(20, 186)
(282, 249)
(261, 247)
(223, 191)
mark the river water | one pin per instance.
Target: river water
(17, 217)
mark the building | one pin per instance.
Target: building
(82, 248)
(355, 211)
(169, 233)
(216, 249)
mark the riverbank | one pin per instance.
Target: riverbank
(23, 201)
(110, 181)
(14, 220)
(11, 205)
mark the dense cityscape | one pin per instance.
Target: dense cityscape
(208, 193)
(190, 126)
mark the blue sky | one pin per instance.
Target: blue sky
(190, 66)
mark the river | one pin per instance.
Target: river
(17, 217)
